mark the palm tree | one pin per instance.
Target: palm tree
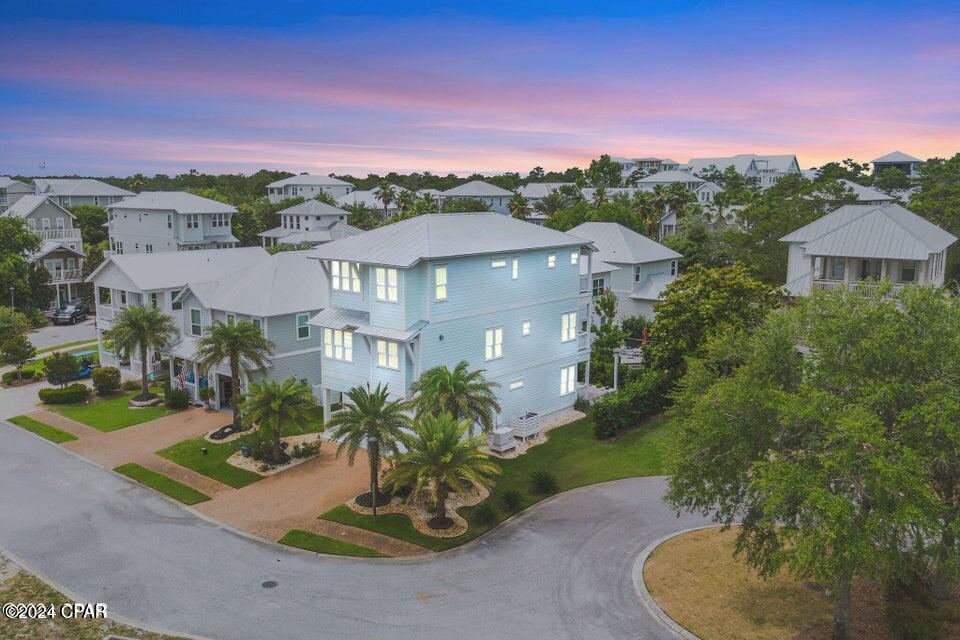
(551, 203)
(405, 200)
(464, 394)
(243, 345)
(272, 405)
(142, 328)
(518, 206)
(439, 457)
(386, 194)
(373, 419)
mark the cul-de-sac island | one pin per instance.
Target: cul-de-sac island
(390, 386)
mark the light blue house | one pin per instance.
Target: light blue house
(502, 294)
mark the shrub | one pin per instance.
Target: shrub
(130, 385)
(106, 380)
(62, 368)
(68, 395)
(36, 318)
(511, 500)
(543, 482)
(581, 404)
(640, 399)
(11, 376)
(305, 450)
(176, 399)
(17, 351)
(12, 323)
(485, 513)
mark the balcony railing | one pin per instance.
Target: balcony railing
(585, 284)
(104, 312)
(59, 234)
(856, 285)
(65, 275)
(583, 341)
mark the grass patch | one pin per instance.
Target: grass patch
(110, 414)
(42, 429)
(214, 464)
(571, 454)
(322, 544)
(163, 484)
(67, 345)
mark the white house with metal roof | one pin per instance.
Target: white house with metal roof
(866, 195)
(12, 190)
(898, 160)
(278, 294)
(306, 186)
(634, 267)
(124, 280)
(156, 221)
(862, 243)
(494, 197)
(309, 223)
(68, 192)
(767, 169)
(503, 295)
(62, 250)
(370, 198)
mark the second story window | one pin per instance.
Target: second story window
(220, 220)
(493, 347)
(195, 327)
(345, 276)
(673, 268)
(387, 354)
(386, 284)
(338, 344)
(193, 221)
(440, 283)
(551, 261)
(574, 257)
(515, 269)
(148, 248)
(636, 273)
(169, 221)
(303, 329)
(498, 264)
(525, 328)
(568, 326)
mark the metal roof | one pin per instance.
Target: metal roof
(896, 156)
(29, 203)
(617, 244)
(367, 197)
(478, 189)
(6, 182)
(653, 287)
(179, 201)
(540, 189)
(666, 177)
(444, 235)
(866, 194)
(310, 180)
(313, 208)
(174, 269)
(339, 318)
(396, 335)
(49, 246)
(87, 187)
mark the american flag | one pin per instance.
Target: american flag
(181, 378)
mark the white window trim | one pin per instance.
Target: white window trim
(574, 257)
(388, 355)
(383, 289)
(568, 382)
(491, 344)
(199, 324)
(515, 269)
(498, 263)
(297, 327)
(526, 328)
(330, 346)
(551, 261)
(445, 284)
(568, 326)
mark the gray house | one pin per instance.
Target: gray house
(766, 169)
(898, 160)
(12, 190)
(279, 295)
(62, 249)
(155, 221)
(629, 264)
(491, 195)
(308, 224)
(306, 186)
(71, 191)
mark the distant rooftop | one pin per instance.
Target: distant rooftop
(665, 177)
(79, 187)
(616, 244)
(896, 156)
(28, 204)
(173, 269)
(310, 180)
(479, 189)
(179, 201)
(313, 208)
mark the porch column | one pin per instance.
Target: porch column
(69, 293)
(325, 400)
(846, 273)
(170, 367)
(883, 268)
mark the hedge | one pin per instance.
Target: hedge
(638, 400)
(11, 376)
(106, 380)
(70, 395)
(176, 398)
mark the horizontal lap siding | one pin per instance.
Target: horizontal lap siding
(540, 392)
(299, 367)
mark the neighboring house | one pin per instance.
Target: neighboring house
(534, 192)
(866, 195)
(155, 221)
(501, 294)
(306, 186)
(860, 243)
(279, 295)
(370, 199)
(647, 165)
(704, 190)
(435, 193)
(309, 223)
(156, 279)
(12, 190)
(491, 195)
(62, 249)
(898, 160)
(634, 267)
(766, 169)
(68, 192)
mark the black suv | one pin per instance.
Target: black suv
(70, 313)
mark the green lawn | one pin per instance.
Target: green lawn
(214, 464)
(571, 454)
(67, 345)
(161, 483)
(323, 544)
(42, 429)
(37, 364)
(110, 414)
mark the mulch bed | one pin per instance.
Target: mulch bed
(440, 524)
(366, 499)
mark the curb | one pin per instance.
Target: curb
(658, 614)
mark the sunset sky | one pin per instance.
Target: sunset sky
(102, 88)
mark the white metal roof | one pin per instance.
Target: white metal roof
(477, 189)
(540, 189)
(174, 269)
(313, 208)
(312, 236)
(896, 156)
(367, 197)
(8, 183)
(666, 177)
(87, 187)
(444, 235)
(49, 246)
(307, 179)
(179, 201)
(28, 204)
(652, 287)
(339, 318)
(617, 244)
(866, 194)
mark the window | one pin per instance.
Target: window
(440, 283)
(908, 272)
(346, 276)
(525, 328)
(568, 379)
(673, 268)
(338, 344)
(258, 323)
(169, 221)
(575, 257)
(493, 343)
(123, 297)
(837, 268)
(498, 264)
(45, 223)
(387, 354)
(516, 384)
(599, 285)
(220, 220)
(155, 300)
(231, 318)
(104, 295)
(193, 221)
(119, 247)
(148, 248)
(71, 263)
(195, 327)
(386, 284)
(551, 261)
(283, 219)
(636, 273)
(303, 329)
(515, 269)
(32, 224)
(568, 326)
(59, 223)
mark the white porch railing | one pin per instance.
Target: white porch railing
(585, 286)
(59, 234)
(64, 275)
(104, 312)
(857, 285)
(583, 341)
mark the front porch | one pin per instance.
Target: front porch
(830, 273)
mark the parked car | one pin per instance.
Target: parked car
(71, 313)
